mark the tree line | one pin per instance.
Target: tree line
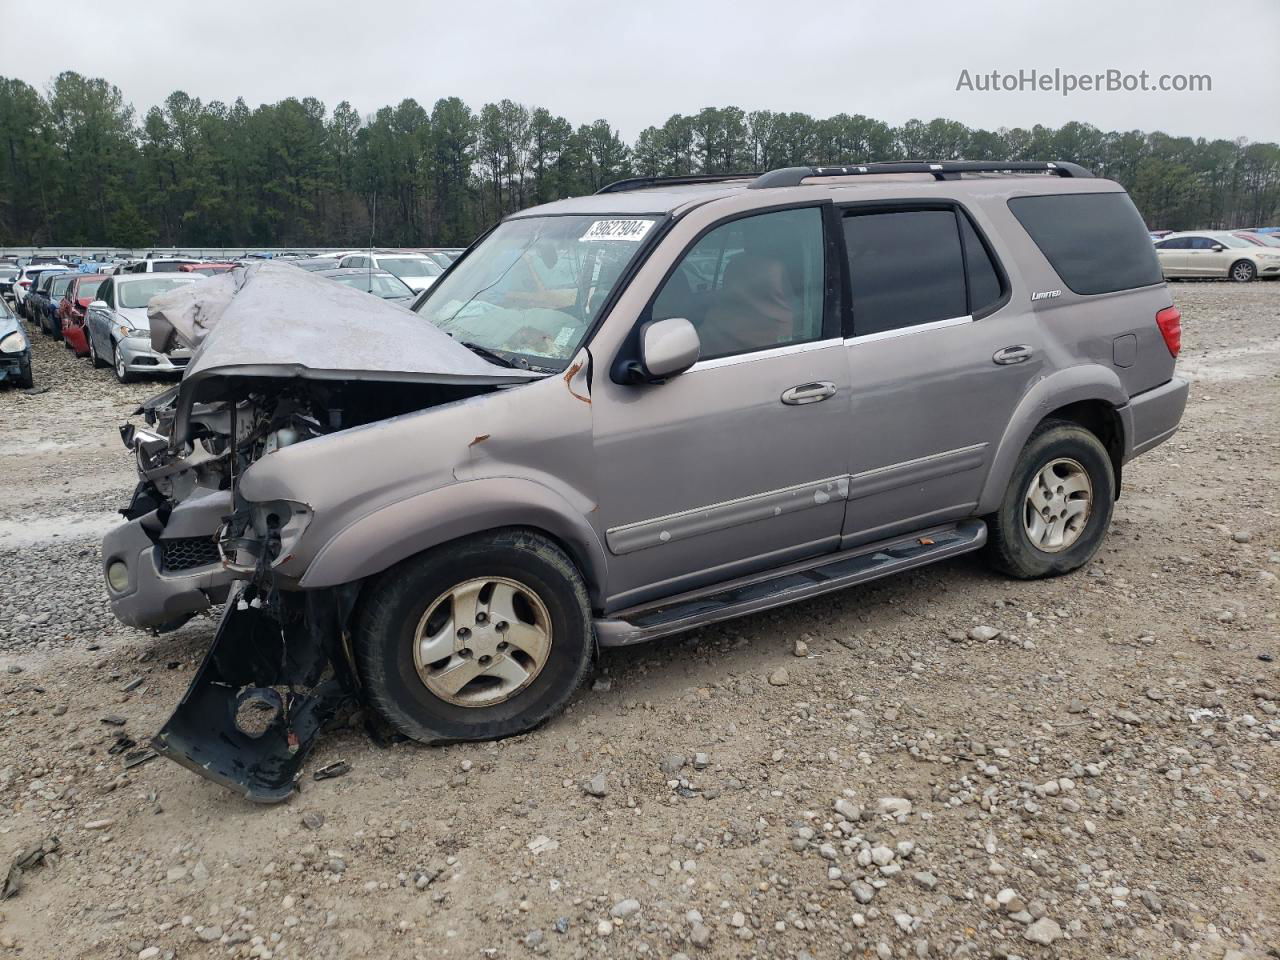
(78, 165)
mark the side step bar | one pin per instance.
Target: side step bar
(798, 581)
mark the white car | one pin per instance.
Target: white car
(417, 270)
(159, 265)
(1213, 253)
(26, 280)
(119, 332)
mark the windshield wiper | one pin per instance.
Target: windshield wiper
(495, 357)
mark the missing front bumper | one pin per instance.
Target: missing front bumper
(276, 673)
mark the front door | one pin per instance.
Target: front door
(1206, 257)
(932, 387)
(736, 465)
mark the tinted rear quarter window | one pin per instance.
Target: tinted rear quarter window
(1096, 242)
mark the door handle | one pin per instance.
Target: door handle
(1018, 353)
(809, 393)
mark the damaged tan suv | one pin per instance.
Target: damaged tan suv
(622, 416)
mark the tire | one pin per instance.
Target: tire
(396, 608)
(1071, 455)
(1243, 271)
(24, 379)
(94, 359)
(118, 368)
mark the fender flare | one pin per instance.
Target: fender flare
(1088, 381)
(378, 540)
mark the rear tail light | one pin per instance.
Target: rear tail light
(1169, 320)
(24, 283)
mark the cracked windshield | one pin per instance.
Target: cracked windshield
(534, 286)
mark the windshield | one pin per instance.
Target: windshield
(379, 284)
(88, 289)
(8, 273)
(409, 266)
(1230, 241)
(533, 286)
(58, 287)
(136, 293)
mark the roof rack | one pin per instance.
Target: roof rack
(941, 170)
(639, 183)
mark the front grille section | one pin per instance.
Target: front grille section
(186, 553)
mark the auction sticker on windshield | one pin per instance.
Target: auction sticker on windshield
(632, 230)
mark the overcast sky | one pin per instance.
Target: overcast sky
(635, 63)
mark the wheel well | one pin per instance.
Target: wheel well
(1101, 419)
(575, 555)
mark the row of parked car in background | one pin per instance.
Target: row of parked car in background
(1239, 255)
(98, 307)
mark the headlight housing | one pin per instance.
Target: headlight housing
(15, 342)
(126, 331)
(270, 529)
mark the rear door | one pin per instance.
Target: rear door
(1172, 254)
(938, 359)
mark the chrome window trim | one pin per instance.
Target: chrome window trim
(768, 354)
(908, 331)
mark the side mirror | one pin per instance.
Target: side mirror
(1217, 248)
(100, 304)
(667, 348)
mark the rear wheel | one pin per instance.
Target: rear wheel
(480, 639)
(1242, 271)
(1058, 506)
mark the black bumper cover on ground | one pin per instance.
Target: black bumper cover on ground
(282, 669)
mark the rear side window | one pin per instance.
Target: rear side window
(910, 267)
(1096, 242)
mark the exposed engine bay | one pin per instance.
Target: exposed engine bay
(279, 667)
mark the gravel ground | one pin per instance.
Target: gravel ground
(946, 764)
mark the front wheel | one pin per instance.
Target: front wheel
(1242, 271)
(120, 365)
(479, 639)
(94, 359)
(1058, 506)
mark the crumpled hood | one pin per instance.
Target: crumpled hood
(274, 320)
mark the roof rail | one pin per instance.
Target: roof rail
(640, 183)
(941, 170)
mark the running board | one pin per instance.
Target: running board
(798, 581)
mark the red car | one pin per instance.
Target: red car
(208, 269)
(72, 307)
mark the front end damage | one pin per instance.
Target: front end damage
(281, 358)
(277, 671)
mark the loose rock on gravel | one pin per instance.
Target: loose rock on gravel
(944, 764)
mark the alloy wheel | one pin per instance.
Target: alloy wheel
(482, 641)
(1057, 505)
